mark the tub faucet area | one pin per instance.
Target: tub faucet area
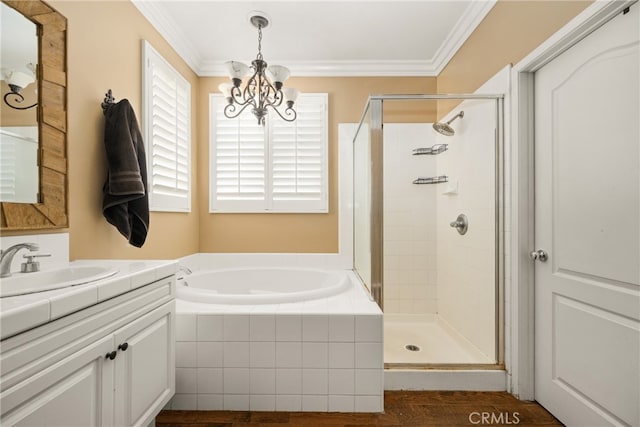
(184, 270)
(6, 256)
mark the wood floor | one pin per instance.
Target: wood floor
(402, 408)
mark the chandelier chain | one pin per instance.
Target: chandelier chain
(259, 41)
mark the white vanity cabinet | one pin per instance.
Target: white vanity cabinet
(144, 368)
(111, 364)
(74, 392)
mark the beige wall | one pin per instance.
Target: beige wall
(104, 53)
(508, 33)
(301, 232)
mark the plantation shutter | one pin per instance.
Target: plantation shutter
(281, 167)
(7, 169)
(18, 148)
(238, 161)
(167, 134)
(298, 157)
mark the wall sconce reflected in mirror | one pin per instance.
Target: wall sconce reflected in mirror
(17, 81)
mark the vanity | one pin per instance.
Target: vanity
(101, 353)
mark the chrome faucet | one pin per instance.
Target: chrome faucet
(6, 257)
(184, 270)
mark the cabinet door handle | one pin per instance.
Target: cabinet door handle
(123, 346)
(111, 355)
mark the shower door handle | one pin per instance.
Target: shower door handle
(539, 255)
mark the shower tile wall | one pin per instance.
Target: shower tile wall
(466, 263)
(409, 221)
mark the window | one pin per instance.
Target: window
(167, 133)
(281, 167)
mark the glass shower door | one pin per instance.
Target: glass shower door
(367, 179)
(362, 201)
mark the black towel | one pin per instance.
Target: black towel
(125, 202)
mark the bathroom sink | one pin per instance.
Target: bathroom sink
(28, 283)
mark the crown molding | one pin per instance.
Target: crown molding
(466, 25)
(337, 68)
(172, 33)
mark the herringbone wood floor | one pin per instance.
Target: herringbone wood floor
(401, 408)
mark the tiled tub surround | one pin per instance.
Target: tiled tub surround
(318, 355)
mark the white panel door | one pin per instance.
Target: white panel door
(587, 220)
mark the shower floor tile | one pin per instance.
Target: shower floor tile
(436, 342)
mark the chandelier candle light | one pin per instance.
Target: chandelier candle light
(263, 89)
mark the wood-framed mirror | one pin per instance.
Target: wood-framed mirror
(50, 211)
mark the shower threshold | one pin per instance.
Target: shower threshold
(427, 342)
(445, 359)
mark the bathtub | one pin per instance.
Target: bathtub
(260, 285)
(254, 334)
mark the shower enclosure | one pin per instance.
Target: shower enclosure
(428, 221)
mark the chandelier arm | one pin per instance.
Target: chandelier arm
(249, 92)
(18, 99)
(230, 110)
(277, 97)
(289, 112)
(240, 98)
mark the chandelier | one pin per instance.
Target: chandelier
(18, 80)
(263, 89)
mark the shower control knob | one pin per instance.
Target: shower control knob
(539, 255)
(461, 224)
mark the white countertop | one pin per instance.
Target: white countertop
(22, 312)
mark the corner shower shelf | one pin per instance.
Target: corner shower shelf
(432, 180)
(434, 149)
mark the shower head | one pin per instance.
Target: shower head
(445, 128)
